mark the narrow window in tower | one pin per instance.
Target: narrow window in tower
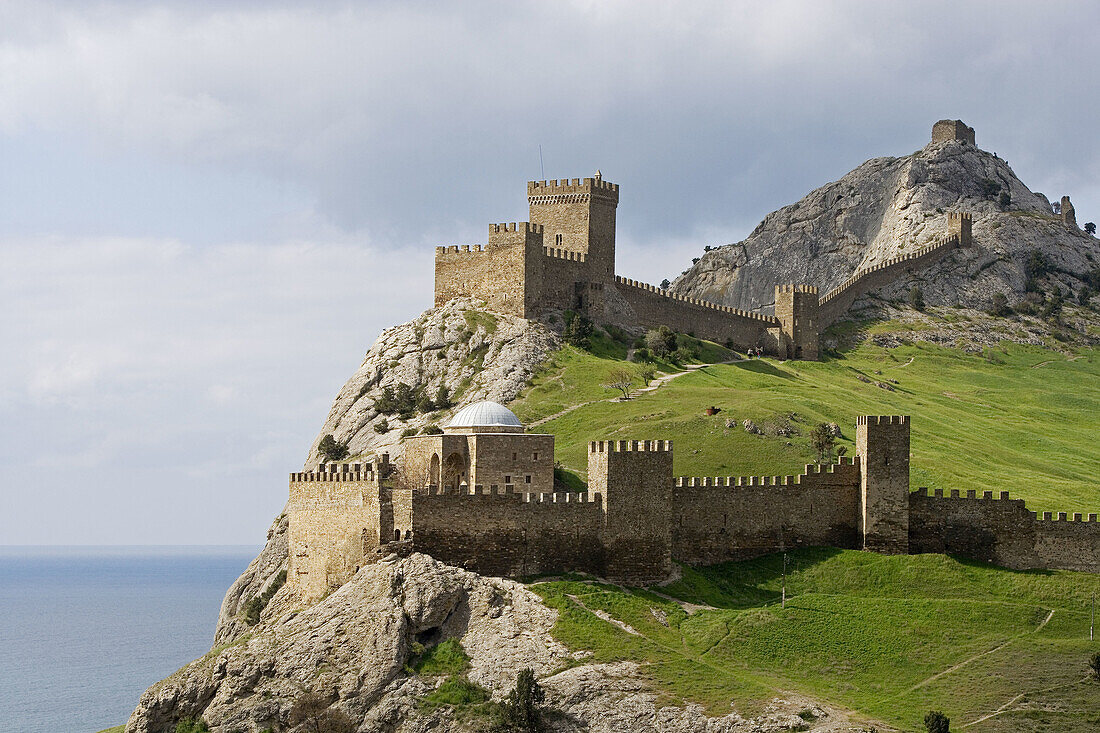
(526, 479)
(507, 479)
(535, 456)
(557, 239)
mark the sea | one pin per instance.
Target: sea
(85, 630)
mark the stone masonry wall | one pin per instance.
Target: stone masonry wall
(655, 307)
(335, 516)
(1001, 531)
(837, 301)
(882, 445)
(499, 273)
(508, 533)
(720, 519)
(634, 477)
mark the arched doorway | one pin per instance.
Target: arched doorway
(454, 471)
(433, 471)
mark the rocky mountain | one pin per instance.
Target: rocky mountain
(889, 207)
(474, 355)
(355, 647)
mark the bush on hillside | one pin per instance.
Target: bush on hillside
(936, 722)
(1035, 268)
(1000, 306)
(191, 725)
(432, 429)
(661, 341)
(1090, 228)
(408, 432)
(577, 331)
(1004, 199)
(331, 450)
(382, 426)
(522, 710)
(401, 400)
(1084, 295)
(822, 440)
(257, 604)
(989, 188)
(665, 284)
(315, 713)
(1094, 666)
(916, 298)
(642, 356)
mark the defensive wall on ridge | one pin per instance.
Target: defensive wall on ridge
(999, 530)
(636, 518)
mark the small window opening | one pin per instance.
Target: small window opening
(526, 479)
(535, 456)
(513, 456)
(507, 479)
(557, 239)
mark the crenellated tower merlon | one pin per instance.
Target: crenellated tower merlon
(882, 443)
(960, 225)
(579, 216)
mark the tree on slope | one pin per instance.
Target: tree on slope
(937, 722)
(1090, 228)
(822, 440)
(331, 450)
(314, 713)
(522, 711)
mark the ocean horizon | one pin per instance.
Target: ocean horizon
(87, 628)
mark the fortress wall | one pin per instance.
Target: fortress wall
(497, 457)
(655, 307)
(1001, 531)
(837, 301)
(509, 534)
(497, 273)
(559, 272)
(720, 519)
(334, 519)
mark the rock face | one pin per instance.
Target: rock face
(353, 648)
(891, 206)
(475, 355)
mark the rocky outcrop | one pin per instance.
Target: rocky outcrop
(353, 648)
(892, 206)
(257, 577)
(475, 355)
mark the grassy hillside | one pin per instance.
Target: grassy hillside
(1016, 418)
(892, 637)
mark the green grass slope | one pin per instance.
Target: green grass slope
(891, 637)
(1017, 418)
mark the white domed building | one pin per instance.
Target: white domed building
(484, 445)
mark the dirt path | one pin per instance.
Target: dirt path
(1006, 709)
(965, 662)
(653, 386)
(603, 615)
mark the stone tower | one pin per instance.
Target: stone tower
(945, 130)
(634, 479)
(578, 216)
(960, 224)
(1069, 217)
(796, 308)
(883, 447)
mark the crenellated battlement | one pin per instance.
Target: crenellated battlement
(506, 494)
(770, 321)
(792, 288)
(455, 249)
(882, 420)
(845, 467)
(564, 254)
(576, 190)
(624, 446)
(1003, 496)
(512, 226)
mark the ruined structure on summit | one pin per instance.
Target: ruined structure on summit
(481, 496)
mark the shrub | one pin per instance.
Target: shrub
(665, 284)
(936, 722)
(443, 397)
(1052, 308)
(916, 298)
(401, 400)
(191, 725)
(1094, 665)
(432, 429)
(620, 379)
(382, 426)
(1004, 199)
(577, 331)
(1090, 228)
(989, 188)
(1084, 295)
(331, 450)
(522, 710)
(822, 440)
(408, 432)
(683, 354)
(257, 604)
(661, 341)
(642, 355)
(647, 374)
(315, 714)
(1000, 305)
(1035, 268)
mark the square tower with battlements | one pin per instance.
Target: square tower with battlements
(578, 215)
(796, 307)
(882, 443)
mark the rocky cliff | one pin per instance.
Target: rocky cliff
(473, 354)
(354, 649)
(891, 206)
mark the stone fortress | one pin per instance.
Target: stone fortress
(636, 517)
(481, 495)
(564, 258)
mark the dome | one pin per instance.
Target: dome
(485, 414)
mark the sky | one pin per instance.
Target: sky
(210, 210)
